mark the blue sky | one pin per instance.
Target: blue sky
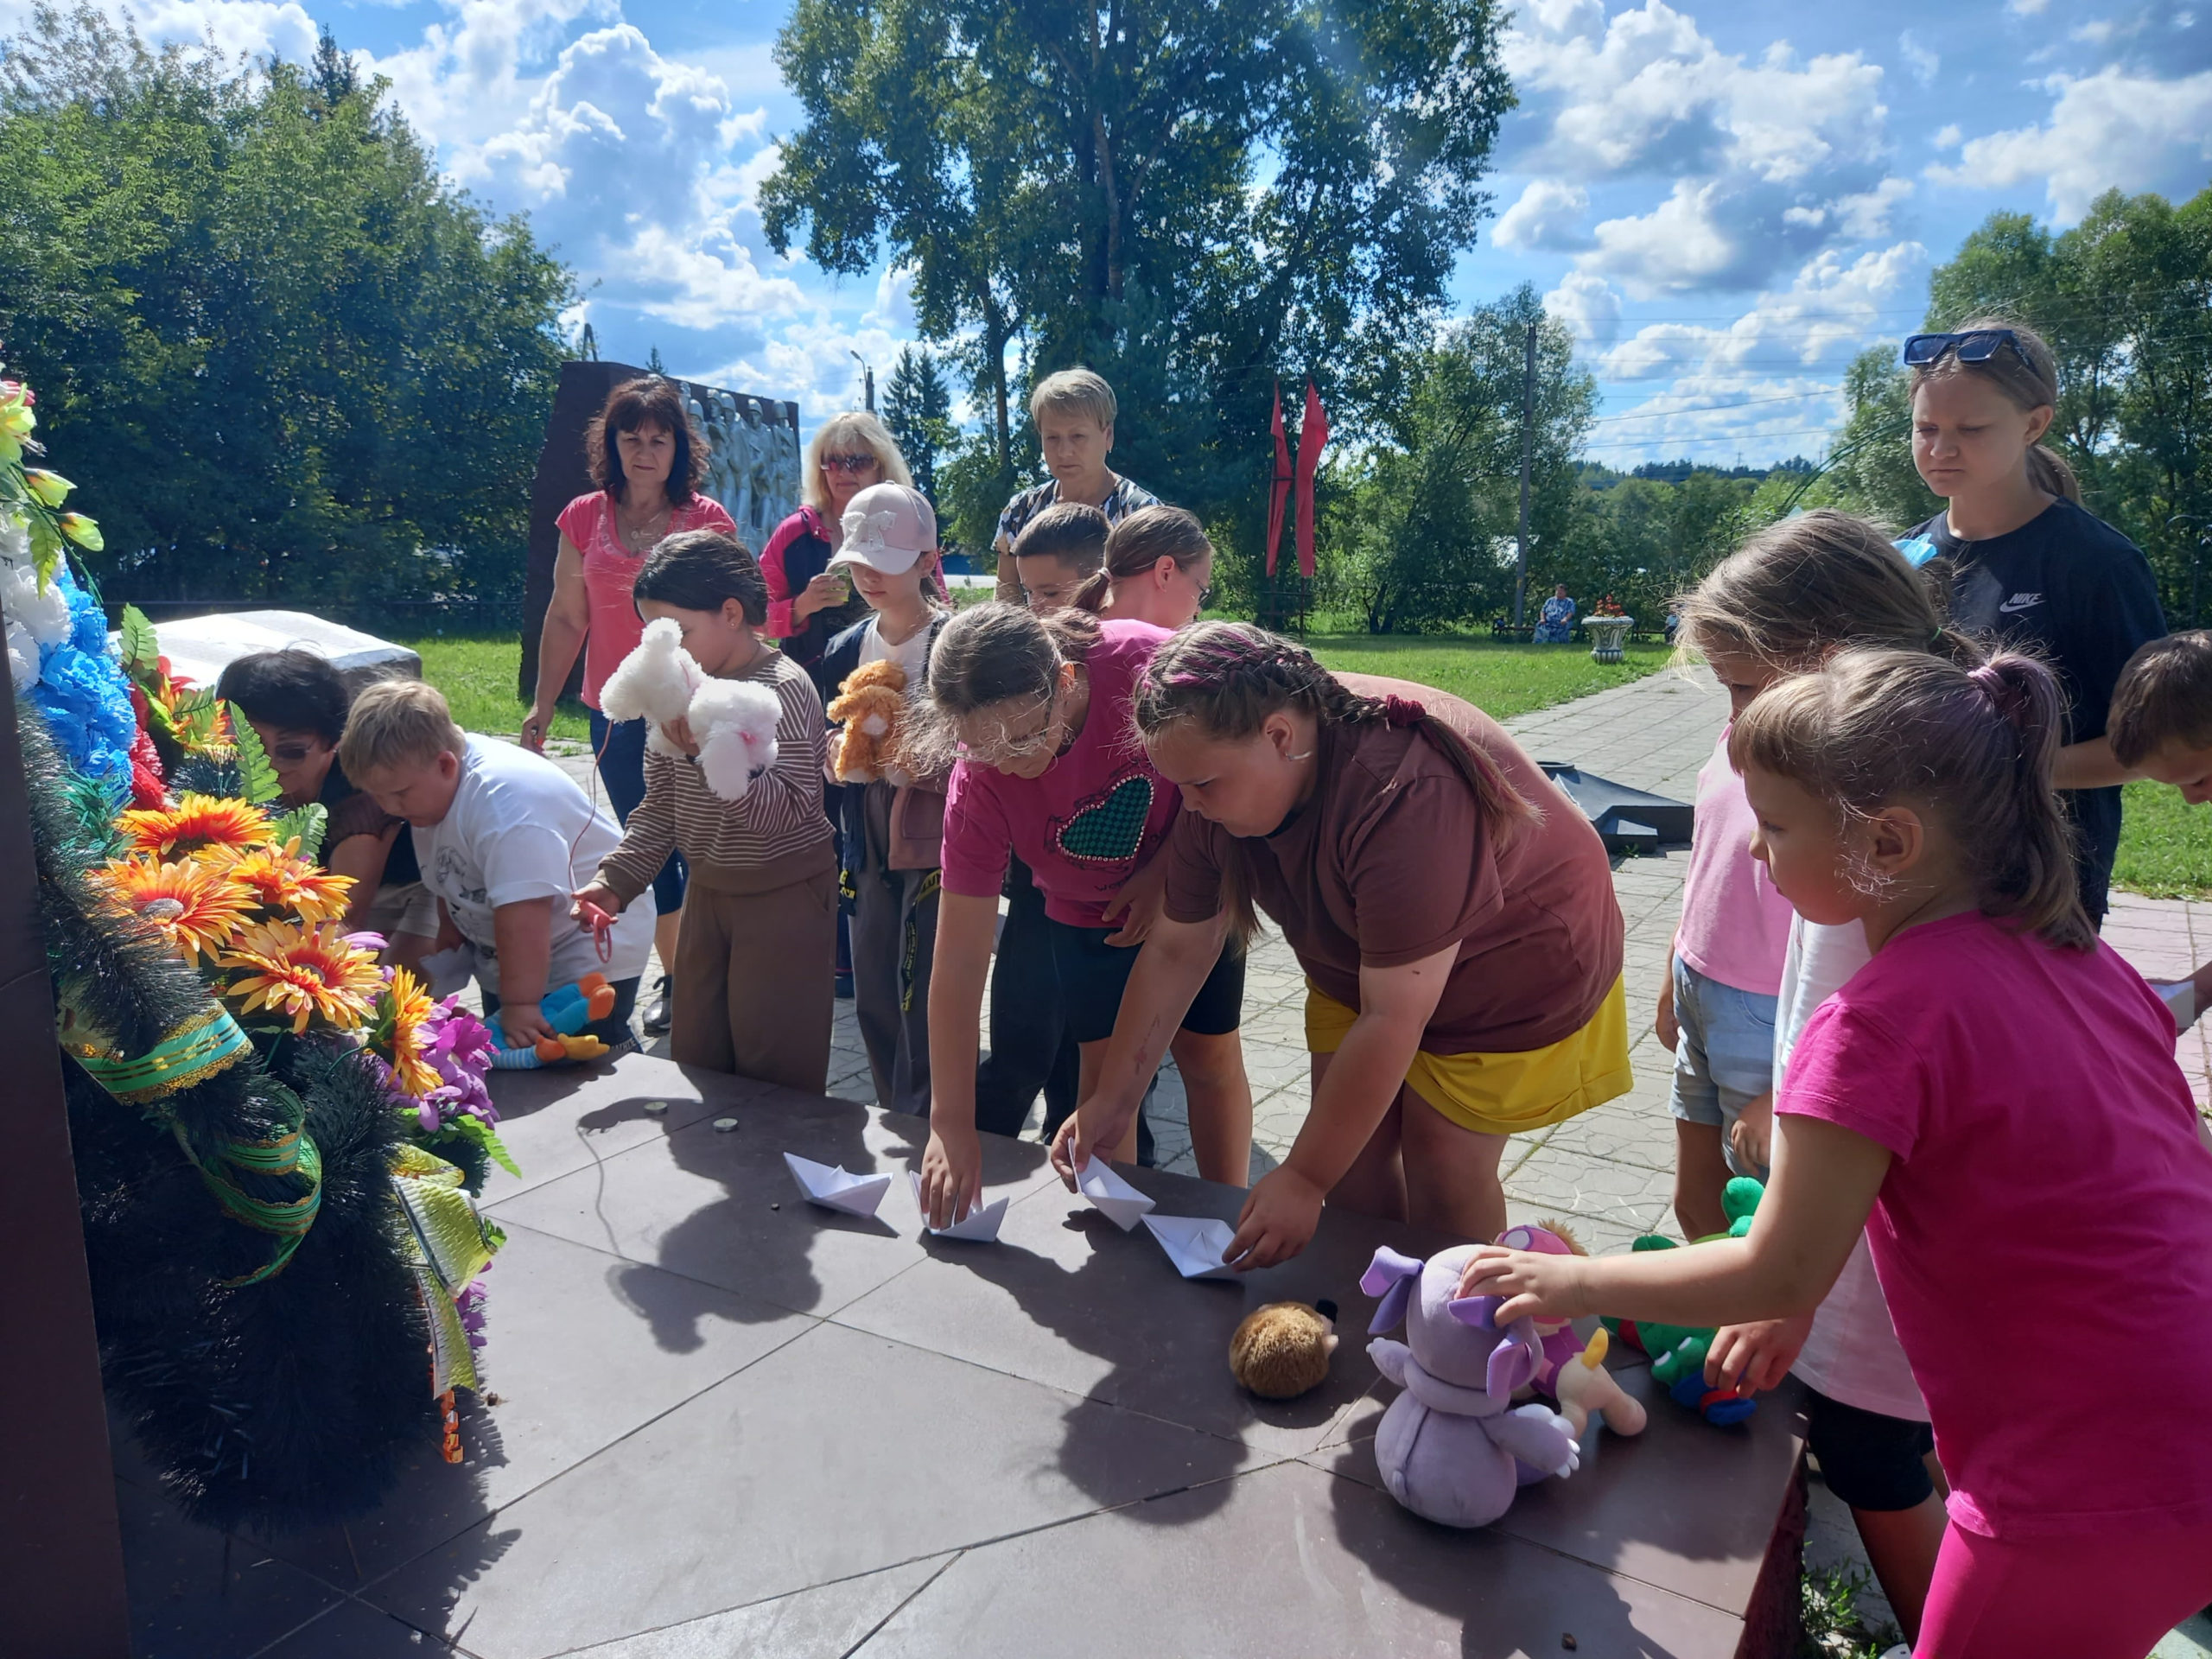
(1726, 199)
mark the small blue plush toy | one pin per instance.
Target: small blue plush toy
(568, 1010)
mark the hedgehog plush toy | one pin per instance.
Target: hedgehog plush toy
(1282, 1350)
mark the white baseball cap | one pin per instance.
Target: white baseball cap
(887, 527)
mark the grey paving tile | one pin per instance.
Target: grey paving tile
(826, 1623)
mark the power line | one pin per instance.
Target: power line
(1707, 408)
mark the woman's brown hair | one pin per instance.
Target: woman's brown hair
(1227, 677)
(1804, 586)
(2028, 376)
(1140, 542)
(1971, 746)
(649, 400)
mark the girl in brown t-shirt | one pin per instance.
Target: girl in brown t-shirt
(1453, 910)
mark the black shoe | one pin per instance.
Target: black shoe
(844, 987)
(657, 1016)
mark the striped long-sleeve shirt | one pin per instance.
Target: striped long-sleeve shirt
(777, 835)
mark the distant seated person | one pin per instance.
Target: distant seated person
(1058, 553)
(1555, 623)
(504, 838)
(296, 702)
(2161, 729)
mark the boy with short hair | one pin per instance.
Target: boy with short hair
(296, 703)
(1073, 412)
(505, 837)
(1058, 553)
(2161, 725)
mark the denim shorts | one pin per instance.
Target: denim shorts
(1725, 1058)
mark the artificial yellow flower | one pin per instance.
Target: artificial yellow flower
(195, 908)
(281, 882)
(308, 972)
(195, 822)
(399, 1035)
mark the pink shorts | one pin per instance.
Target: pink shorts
(2087, 1596)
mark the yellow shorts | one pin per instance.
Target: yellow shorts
(1504, 1094)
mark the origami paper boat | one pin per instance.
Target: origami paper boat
(835, 1188)
(1114, 1197)
(982, 1224)
(1194, 1244)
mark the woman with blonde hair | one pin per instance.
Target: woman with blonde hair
(808, 606)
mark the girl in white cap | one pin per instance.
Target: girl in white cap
(890, 823)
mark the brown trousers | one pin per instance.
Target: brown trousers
(755, 976)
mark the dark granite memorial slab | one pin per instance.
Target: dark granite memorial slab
(733, 1423)
(1285, 1560)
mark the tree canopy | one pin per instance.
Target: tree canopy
(1189, 197)
(288, 361)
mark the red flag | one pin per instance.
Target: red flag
(1281, 488)
(1312, 434)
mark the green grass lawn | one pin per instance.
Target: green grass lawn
(477, 673)
(2165, 845)
(1501, 679)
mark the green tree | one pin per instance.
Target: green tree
(294, 364)
(1421, 526)
(1869, 468)
(918, 410)
(1190, 198)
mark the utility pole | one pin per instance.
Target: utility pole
(1527, 453)
(868, 377)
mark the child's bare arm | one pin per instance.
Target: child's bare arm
(952, 1171)
(1816, 1203)
(523, 934)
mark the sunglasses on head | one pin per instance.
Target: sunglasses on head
(847, 463)
(1976, 345)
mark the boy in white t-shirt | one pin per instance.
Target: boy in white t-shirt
(504, 838)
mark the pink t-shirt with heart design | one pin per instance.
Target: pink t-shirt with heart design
(1093, 818)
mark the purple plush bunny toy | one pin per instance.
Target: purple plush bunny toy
(1453, 1447)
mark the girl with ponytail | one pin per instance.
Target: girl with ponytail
(1452, 910)
(1993, 1101)
(1159, 570)
(2031, 567)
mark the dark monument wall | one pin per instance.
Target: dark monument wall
(753, 469)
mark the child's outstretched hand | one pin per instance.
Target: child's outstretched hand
(952, 1176)
(1535, 1287)
(1277, 1222)
(524, 1024)
(1138, 903)
(1752, 1358)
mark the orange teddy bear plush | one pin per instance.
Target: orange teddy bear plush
(871, 705)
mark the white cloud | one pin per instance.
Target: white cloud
(1947, 137)
(1768, 159)
(1920, 59)
(1548, 216)
(2112, 129)
(1588, 305)
(2027, 7)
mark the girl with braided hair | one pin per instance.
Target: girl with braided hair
(1030, 714)
(1454, 911)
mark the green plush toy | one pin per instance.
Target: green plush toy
(1678, 1351)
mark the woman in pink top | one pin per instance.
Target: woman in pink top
(1033, 712)
(1993, 1099)
(648, 459)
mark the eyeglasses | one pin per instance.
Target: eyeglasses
(1977, 346)
(1005, 749)
(859, 463)
(293, 755)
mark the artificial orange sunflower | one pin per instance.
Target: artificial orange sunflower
(195, 908)
(307, 972)
(398, 1034)
(281, 882)
(195, 822)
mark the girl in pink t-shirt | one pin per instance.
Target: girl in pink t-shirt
(1994, 1100)
(1033, 711)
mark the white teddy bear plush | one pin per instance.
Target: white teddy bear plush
(733, 721)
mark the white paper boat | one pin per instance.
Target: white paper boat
(982, 1224)
(1114, 1197)
(834, 1188)
(1194, 1244)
